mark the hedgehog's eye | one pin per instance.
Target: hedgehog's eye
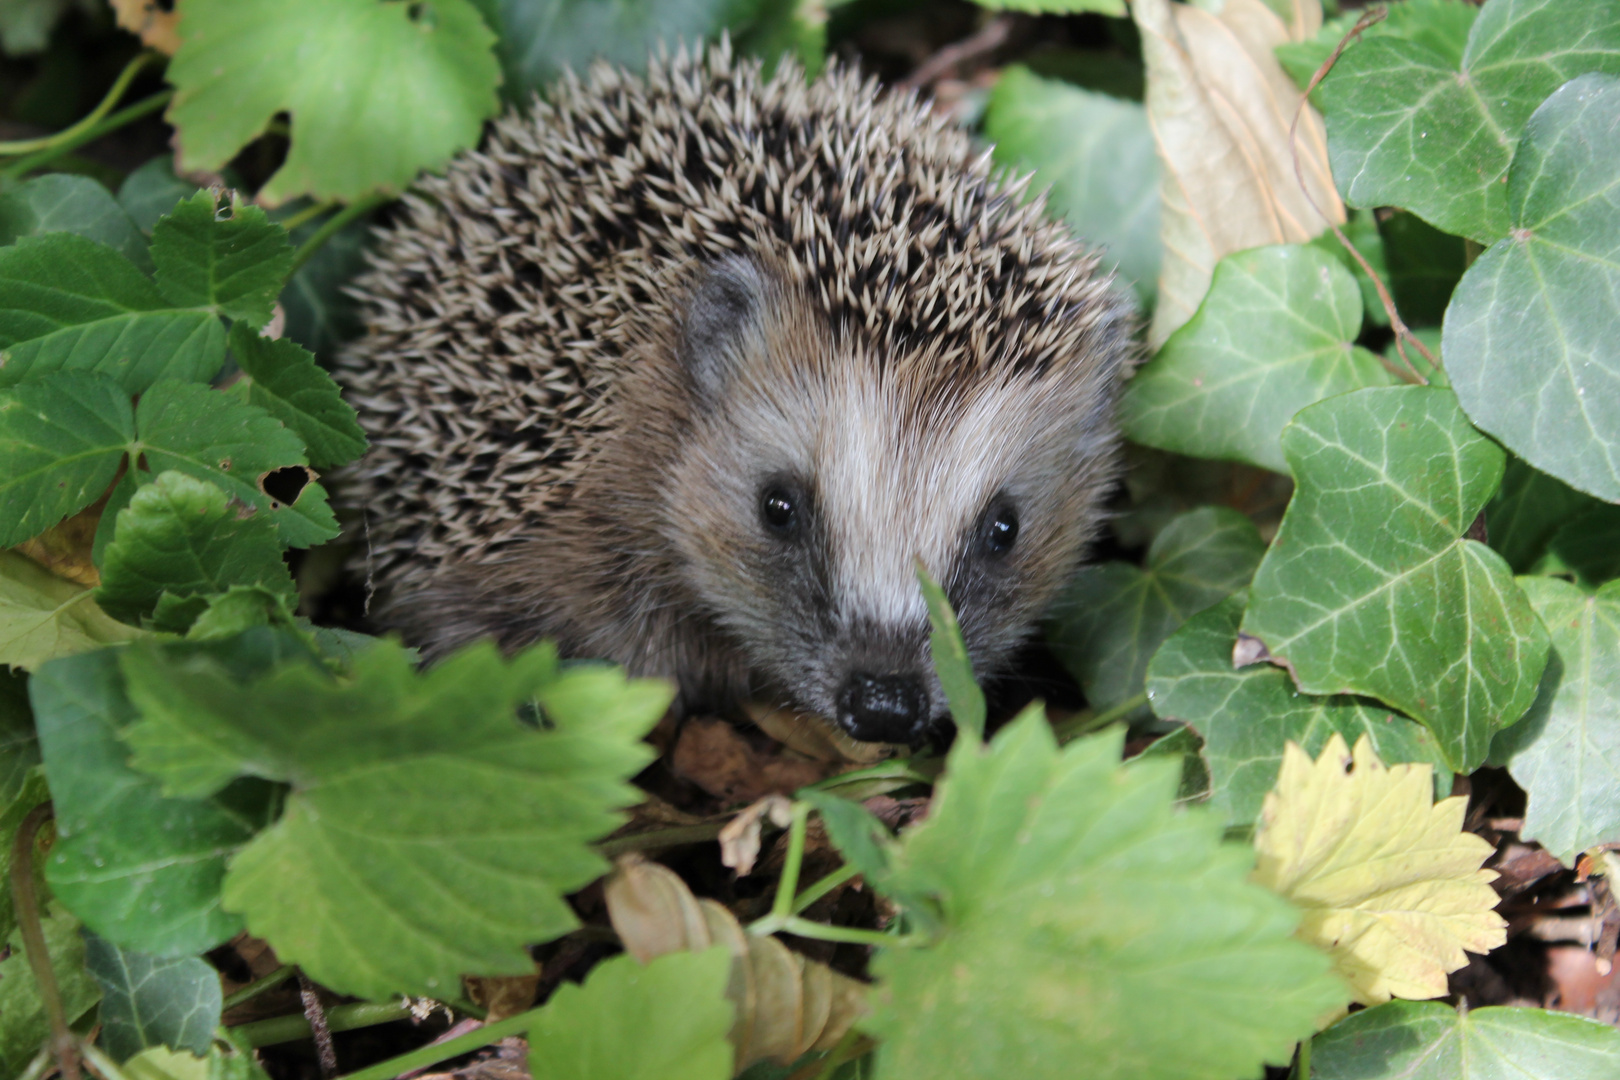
(779, 510)
(1000, 531)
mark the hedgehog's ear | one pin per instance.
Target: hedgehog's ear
(724, 323)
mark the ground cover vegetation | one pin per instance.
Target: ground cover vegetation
(1315, 773)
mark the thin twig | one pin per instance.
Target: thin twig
(25, 902)
(1412, 375)
(990, 37)
(315, 1013)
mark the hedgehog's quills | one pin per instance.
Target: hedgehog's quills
(687, 370)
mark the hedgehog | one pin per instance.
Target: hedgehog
(691, 370)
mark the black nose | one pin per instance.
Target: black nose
(883, 708)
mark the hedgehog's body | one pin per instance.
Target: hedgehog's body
(687, 371)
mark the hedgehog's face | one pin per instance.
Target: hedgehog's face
(817, 475)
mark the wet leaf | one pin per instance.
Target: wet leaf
(1390, 885)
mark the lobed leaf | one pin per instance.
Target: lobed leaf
(62, 202)
(1565, 753)
(1247, 715)
(1113, 617)
(1411, 126)
(43, 617)
(427, 832)
(1529, 336)
(1370, 589)
(147, 1001)
(283, 379)
(1426, 1040)
(1442, 25)
(1086, 920)
(230, 258)
(153, 190)
(376, 92)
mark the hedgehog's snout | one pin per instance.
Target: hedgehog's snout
(884, 708)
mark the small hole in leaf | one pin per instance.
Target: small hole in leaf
(225, 465)
(284, 485)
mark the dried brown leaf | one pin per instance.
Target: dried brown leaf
(815, 737)
(147, 20)
(739, 840)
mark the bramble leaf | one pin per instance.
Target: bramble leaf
(147, 1001)
(230, 259)
(376, 92)
(1390, 885)
(1412, 127)
(1565, 753)
(284, 380)
(1095, 155)
(1274, 334)
(1113, 617)
(1529, 336)
(179, 543)
(67, 302)
(1087, 920)
(663, 1020)
(428, 833)
(62, 438)
(1370, 589)
(43, 616)
(1247, 714)
(62, 202)
(1428, 1040)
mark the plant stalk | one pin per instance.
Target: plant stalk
(259, 986)
(333, 225)
(119, 87)
(26, 902)
(282, 1029)
(64, 145)
(432, 1055)
(823, 887)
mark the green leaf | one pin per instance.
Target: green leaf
(19, 746)
(1363, 233)
(1086, 919)
(1565, 753)
(1425, 264)
(25, 25)
(161, 1063)
(1409, 126)
(23, 1024)
(239, 608)
(1442, 25)
(284, 380)
(1274, 334)
(951, 660)
(43, 616)
(863, 840)
(180, 542)
(665, 1020)
(1587, 547)
(1246, 715)
(1113, 617)
(1530, 507)
(62, 439)
(147, 1001)
(62, 202)
(29, 792)
(141, 869)
(1095, 155)
(427, 833)
(1427, 1040)
(377, 92)
(1368, 587)
(231, 258)
(152, 191)
(320, 315)
(1529, 336)
(68, 302)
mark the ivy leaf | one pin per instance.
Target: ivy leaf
(1529, 336)
(663, 1020)
(222, 1063)
(1087, 920)
(1390, 884)
(147, 1001)
(1442, 25)
(62, 202)
(180, 542)
(1369, 588)
(43, 616)
(1425, 264)
(153, 190)
(1587, 546)
(231, 258)
(141, 869)
(1412, 127)
(1114, 616)
(1566, 752)
(1426, 1040)
(24, 1027)
(1095, 155)
(284, 380)
(1273, 335)
(1246, 715)
(376, 92)
(1528, 510)
(951, 660)
(67, 302)
(427, 833)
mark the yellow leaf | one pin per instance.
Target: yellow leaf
(1220, 105)
(1390, 885)
(43, 616)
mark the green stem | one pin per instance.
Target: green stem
(103, 1064)
(259, 986)
(1302, 1064)
(853, 935)
(119, 86)
(1089, 722)
(903, 769)
(282, 1029)
(461, 1044)
(38, 1067)
(25, 902)
(823, 887)
(25, 165)
(307, 214)
(788, 884)
(658, 839)
(333, 225)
